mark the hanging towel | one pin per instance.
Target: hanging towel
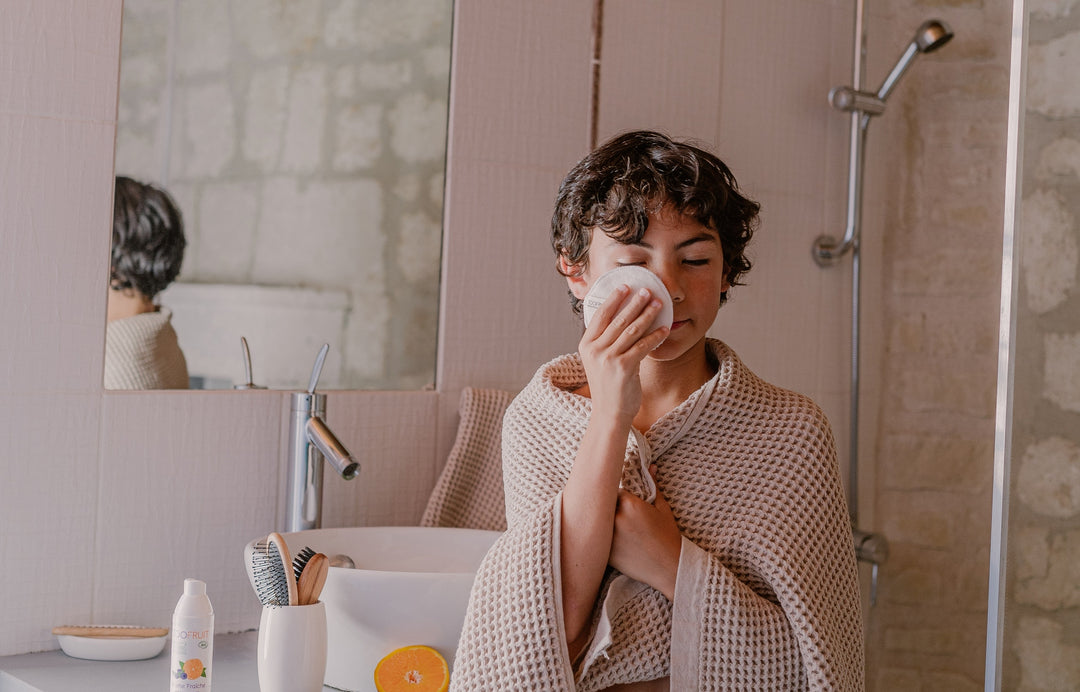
(469, 492)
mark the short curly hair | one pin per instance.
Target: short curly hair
(147, 239)
(617, 185)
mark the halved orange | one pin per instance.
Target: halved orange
(193, 667)
(412, 669)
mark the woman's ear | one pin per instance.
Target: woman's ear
(574, 277)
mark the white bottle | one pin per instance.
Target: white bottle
(192, 639)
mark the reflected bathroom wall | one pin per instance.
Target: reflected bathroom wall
(305, 144)
(1041, 646)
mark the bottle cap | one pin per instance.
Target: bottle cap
(194, 587)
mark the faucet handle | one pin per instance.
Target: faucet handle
(250, 384)
(317, 370)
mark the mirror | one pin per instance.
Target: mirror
(304, 143)
(1038, 517)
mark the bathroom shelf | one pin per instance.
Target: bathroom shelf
(235, 670)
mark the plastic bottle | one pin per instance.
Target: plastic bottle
(192, 639)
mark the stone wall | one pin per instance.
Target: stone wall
(936, 167)
(305, 142)
(1042, 627)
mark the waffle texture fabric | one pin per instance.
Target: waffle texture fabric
(469, 492)
(767, 594)
(142, 352)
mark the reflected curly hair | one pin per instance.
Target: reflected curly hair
(147, 238)
(619, 184)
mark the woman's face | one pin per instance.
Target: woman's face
(687, 257)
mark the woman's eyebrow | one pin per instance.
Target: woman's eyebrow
(703, 238)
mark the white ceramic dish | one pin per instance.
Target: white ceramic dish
(111, 648)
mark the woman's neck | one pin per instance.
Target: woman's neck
(127, 303)
(666, 384)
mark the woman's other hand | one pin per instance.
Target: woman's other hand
(647, 543)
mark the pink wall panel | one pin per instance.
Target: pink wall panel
(48, 483)
(58, 77)
(519, 118)
(186, 480)
(56, 196)
(520, 83)
(392, 435)
(751, 80)
(60, 58)
(661, 70)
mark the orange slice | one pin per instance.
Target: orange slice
(193, 667)
(412, 669)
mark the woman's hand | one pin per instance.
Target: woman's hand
(647, 543)
(613, 347)
(611, 350)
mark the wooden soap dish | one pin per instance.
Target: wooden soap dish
(110, 631)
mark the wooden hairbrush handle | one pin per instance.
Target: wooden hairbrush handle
(312, 579)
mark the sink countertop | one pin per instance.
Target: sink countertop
(235, 670)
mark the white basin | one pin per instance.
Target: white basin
(410, 586)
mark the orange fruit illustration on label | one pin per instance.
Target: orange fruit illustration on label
(193, 667)
(412, 669)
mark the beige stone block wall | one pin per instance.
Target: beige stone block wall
(935, 188)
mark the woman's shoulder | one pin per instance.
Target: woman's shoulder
(552, 385)
(738, 381)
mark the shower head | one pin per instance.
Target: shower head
(931, 35)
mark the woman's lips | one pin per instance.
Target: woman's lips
(679, 323)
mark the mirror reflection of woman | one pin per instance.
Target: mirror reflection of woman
(141, 348)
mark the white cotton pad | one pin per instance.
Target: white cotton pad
(636, 278)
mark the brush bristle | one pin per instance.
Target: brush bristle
(301, 559)
(268, 575)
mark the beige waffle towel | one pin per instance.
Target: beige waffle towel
(142, 352)
(469, 493)
(767, 594)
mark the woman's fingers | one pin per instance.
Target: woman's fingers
(607, 311)
(623, 322)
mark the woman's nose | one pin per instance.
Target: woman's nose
(671, 283)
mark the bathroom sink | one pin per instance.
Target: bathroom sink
(410, 586)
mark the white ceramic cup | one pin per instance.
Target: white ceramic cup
(292, 648)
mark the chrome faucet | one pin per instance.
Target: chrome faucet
(310, 441)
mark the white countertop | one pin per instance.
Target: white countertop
(235, 670)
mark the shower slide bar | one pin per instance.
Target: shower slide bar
(827, 250)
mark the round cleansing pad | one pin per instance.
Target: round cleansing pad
(636, 278)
